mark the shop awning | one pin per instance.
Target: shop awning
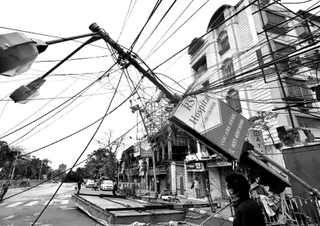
(269, 177)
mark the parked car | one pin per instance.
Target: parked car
(89, 183)
(106, 185)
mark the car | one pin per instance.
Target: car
(89, 183)
(106, 185)
(55, 181)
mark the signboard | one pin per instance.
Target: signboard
(136, 150)
(256, 139)
(145, 149)
(195, 167)
(213, 122)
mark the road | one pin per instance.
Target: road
(23, 209)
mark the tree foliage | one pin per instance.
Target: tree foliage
(103, 161)
(25, 166)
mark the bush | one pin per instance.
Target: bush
(24, 183)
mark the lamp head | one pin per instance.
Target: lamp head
(23, 94)
(17, 53)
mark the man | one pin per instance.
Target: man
(196, 186)
(115, 188)
(247, 211)
(79, 183)
(4, 190)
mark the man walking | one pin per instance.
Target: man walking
(4, 189)
(247, 211)
(79, 183)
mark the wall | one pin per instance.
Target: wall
(215, 186)
(303, 162)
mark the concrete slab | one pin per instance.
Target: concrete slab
(121, 211)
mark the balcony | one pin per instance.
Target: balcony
(271, 23)
(303, 32)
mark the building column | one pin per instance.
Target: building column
(173, 177)
(169, 148)
(163, 151)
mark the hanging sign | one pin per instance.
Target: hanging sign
(213, 122)
(256, 139)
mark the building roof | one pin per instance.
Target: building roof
(218, 17)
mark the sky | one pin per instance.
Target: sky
(40, 124)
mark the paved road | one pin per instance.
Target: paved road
(23, 209)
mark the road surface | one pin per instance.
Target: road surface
(23, 209)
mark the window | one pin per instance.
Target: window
(308, 122)
(281, 50)
(274, 23)
(223, 42)
(297, 89)
(200, 67)
(228, 71)
(233, 100)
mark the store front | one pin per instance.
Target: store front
(195, 170)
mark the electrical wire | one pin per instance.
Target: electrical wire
(152, 32)
(150, 16)
(75, 163)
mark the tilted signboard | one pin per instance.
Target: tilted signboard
(145, 149)
(213, 122)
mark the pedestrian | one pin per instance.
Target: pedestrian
(247, 211)
(79, 183)
(115, 188)
(196, 186)
(4, 189)
(158, 185)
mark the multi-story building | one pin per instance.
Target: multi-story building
(261, 58)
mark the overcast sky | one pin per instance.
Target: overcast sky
(49, 20)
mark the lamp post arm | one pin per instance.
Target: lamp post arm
(95, 28)
(92, 39)
(70, 38)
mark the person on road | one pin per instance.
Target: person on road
(79, 183)
(247, 211)
(196, 186)
(115, 188)
(4, 189)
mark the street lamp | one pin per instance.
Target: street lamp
(17, 54)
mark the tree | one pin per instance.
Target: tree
(262, 121)
(103, 161)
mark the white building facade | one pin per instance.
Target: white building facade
(258, 57)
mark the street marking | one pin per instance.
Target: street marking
(65, 202)
(31, 203)
(52, 201)
(14, 204)
(9, 217)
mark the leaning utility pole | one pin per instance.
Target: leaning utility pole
(126, 57)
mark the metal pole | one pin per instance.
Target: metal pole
(40, 170)
(153, 159)
(287, 172)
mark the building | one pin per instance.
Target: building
(259, 58)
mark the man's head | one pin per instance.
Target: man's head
(237, 185)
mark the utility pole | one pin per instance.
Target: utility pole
(153, 157)
(14, 164)
(40, 170)
(130, 60)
